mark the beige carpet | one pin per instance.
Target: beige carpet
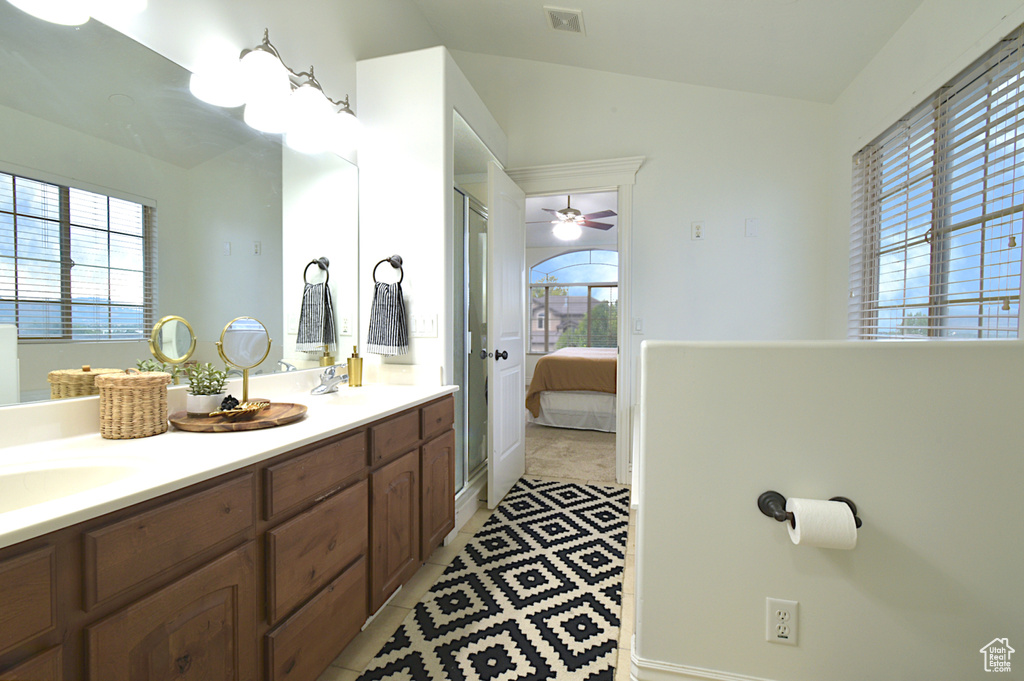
(571, 455)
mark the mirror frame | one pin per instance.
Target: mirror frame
(158, 352)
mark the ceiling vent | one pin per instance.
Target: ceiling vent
(567, 20)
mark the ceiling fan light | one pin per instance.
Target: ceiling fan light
(64, 12)
(567, 231)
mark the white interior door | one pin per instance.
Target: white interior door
(506, 331)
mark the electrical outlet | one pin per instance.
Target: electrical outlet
(780, 621)
(697, 231)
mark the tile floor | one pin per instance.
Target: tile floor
(357, 656)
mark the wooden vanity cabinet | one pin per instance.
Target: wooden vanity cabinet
(261, 574)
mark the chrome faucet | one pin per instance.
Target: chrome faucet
(285, 366)
(329, 381)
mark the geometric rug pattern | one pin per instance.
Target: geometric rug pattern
(535, 594)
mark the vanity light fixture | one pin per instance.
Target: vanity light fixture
(77, 12)
(277, 99)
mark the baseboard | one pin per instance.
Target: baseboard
(468, 500)
(641, 669)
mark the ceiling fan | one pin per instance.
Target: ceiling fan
(570, 214)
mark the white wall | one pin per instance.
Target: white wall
(321, 219)
(711, 155)
(938, 41)
(924, 438)
(407, 103)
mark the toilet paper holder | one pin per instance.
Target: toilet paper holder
(773, 505)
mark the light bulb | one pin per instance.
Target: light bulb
(65, 12)
(217, 77)
(270, 115)
(309, 119)
(263, 77)
(567, 231)
(345, 133)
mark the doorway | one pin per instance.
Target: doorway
(572, 270)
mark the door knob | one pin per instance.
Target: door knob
(484, 354)
(501, 355)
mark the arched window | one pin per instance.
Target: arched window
(574, 301)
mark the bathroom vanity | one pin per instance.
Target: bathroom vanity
(264, 571)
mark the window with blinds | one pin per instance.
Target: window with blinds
(74, 264)
(938, 205)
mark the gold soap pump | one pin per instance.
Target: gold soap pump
(355, 368)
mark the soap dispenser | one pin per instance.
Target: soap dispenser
(355, 368)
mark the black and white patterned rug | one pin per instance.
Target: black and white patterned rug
(535, 594)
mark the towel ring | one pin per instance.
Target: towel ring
(323, 264)
(396, 262)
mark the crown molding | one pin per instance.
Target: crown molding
(609, 173)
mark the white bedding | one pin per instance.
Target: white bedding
(579, 409)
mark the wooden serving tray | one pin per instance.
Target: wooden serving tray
(277, 414)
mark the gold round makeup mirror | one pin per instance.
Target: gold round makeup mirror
(172, 340)
(244, 343)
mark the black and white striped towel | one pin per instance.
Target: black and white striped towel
(316, 321)
(389, 334)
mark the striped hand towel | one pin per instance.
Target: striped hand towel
(389, 334)
(316, 321)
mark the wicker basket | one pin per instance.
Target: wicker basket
(133, 404)
(75, 382)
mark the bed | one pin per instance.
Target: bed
(574, 388)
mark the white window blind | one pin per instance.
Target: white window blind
(74, 264)
(938, 205)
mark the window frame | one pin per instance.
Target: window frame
(547, 286)
(934, 145)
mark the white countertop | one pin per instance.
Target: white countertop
(176, 459)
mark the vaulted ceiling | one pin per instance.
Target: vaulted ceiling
(804, 49)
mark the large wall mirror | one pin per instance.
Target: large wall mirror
(236, 216)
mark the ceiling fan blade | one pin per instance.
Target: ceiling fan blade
(550, 210)
(539, 222)
(600, 214)
(596, 225)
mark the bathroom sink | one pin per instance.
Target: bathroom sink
(23, 485)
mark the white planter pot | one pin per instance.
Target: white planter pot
(201, 405)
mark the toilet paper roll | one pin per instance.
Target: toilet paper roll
(825, 524)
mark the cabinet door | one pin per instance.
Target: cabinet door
(396, 526)
(43, 667)
(201, 627)
(438, 473)
(28, 607)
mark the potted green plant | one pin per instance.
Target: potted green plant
(145, 365)
(205, 388)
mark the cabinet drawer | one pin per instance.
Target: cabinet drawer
(313, 473)
(304, 644)
(43, 667)
(395, 436)
(126, 553)
(437, 417)
(28, 607)
(202, 626)
(309, 550)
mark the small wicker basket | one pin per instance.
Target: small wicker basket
(75, 382)
(133, 404)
